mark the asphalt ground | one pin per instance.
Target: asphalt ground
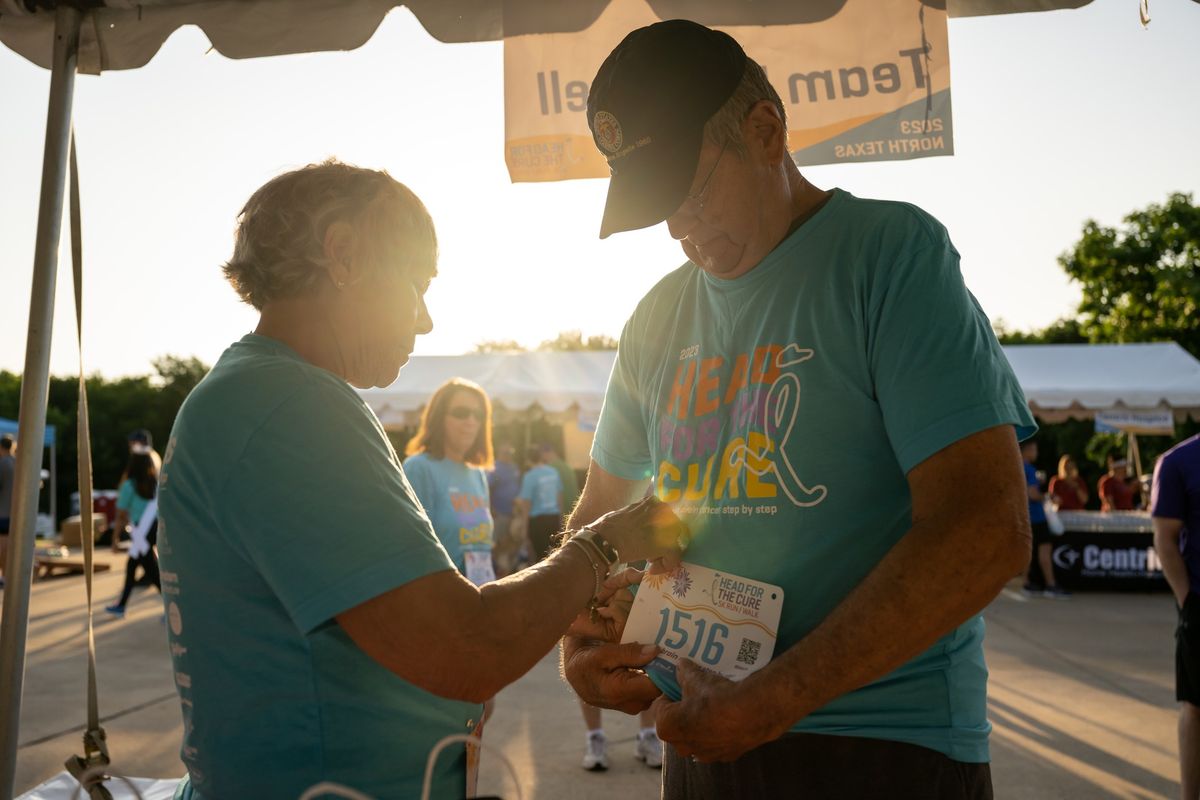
(1081, 700)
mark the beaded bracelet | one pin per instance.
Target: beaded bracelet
(597, 540)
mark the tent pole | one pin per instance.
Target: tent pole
(34, 390)
(1137, 455)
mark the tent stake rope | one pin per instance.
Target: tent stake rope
(88, 769)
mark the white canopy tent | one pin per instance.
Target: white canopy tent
(70, 36)
(554, 382)
(1069, 381)
(1078, 381)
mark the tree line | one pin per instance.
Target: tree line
(116, 407)
(1140, 282)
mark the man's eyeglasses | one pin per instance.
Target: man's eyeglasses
(693, 204)
(462, 412)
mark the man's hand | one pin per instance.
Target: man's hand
(715, 720)
(646, 530)
(609, 675)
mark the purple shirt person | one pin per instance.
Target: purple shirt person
(1175, 510)
(1176, 498)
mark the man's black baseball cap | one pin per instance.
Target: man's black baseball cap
(647, 109)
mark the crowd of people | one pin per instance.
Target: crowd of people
(1116, 489)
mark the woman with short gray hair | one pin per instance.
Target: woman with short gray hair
(319, 630)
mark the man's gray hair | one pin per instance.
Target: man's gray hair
(725, 126)
(279, 247)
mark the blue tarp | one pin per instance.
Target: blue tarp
(10, 426)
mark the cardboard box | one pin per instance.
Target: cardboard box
(70, 533)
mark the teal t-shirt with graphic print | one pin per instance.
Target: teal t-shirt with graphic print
(779, 413)
(282, 504)
(455, 496)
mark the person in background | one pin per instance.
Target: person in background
(1067, 488)
(540, 502)
(570, 482)
(446, 465)
(504, 483)
(140, 441)
(1115, 489)
(1042, 538)
(1175, 514)
(8, 472)
(137, 512)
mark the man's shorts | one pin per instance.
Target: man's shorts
(1187, 651)
(809, 765)
(1041, 533)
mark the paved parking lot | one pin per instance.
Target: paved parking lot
(1081, 699)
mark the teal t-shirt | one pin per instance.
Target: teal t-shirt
(779, 412)
(129, 501)
(455, 496)
(282, 504)
(542, 487)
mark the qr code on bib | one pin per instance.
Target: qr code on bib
(748, 652)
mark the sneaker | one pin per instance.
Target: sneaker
(595, 757)
(116, 611)
(1056, 592)
(649, 749)
(1031, 590)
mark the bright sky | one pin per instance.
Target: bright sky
(1058, 117)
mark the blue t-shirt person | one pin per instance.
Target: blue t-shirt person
(1037, 511)
(504, 483)
(283, 504)
(779, 413)
(542, 487)
(1176, 495)
(455, 497)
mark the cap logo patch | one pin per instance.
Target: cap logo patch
(608, 131)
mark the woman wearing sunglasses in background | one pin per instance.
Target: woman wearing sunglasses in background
(446, 466)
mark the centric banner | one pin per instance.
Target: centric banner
(870, 82)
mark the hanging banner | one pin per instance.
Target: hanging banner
(869, 83)
(1151, 421)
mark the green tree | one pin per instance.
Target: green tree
(573, 340)
(115, 407)
(564, 342)
(1063, 331)
(1141, 281)
(498, 346)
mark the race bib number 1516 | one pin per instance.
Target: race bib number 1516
(725, 623)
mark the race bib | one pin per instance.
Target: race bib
(478, 565)
(724, 623)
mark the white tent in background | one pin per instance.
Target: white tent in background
(516, 382)
(1134, 386)
(1081, 381)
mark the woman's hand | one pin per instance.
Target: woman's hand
(608, 623)
(647, 530)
